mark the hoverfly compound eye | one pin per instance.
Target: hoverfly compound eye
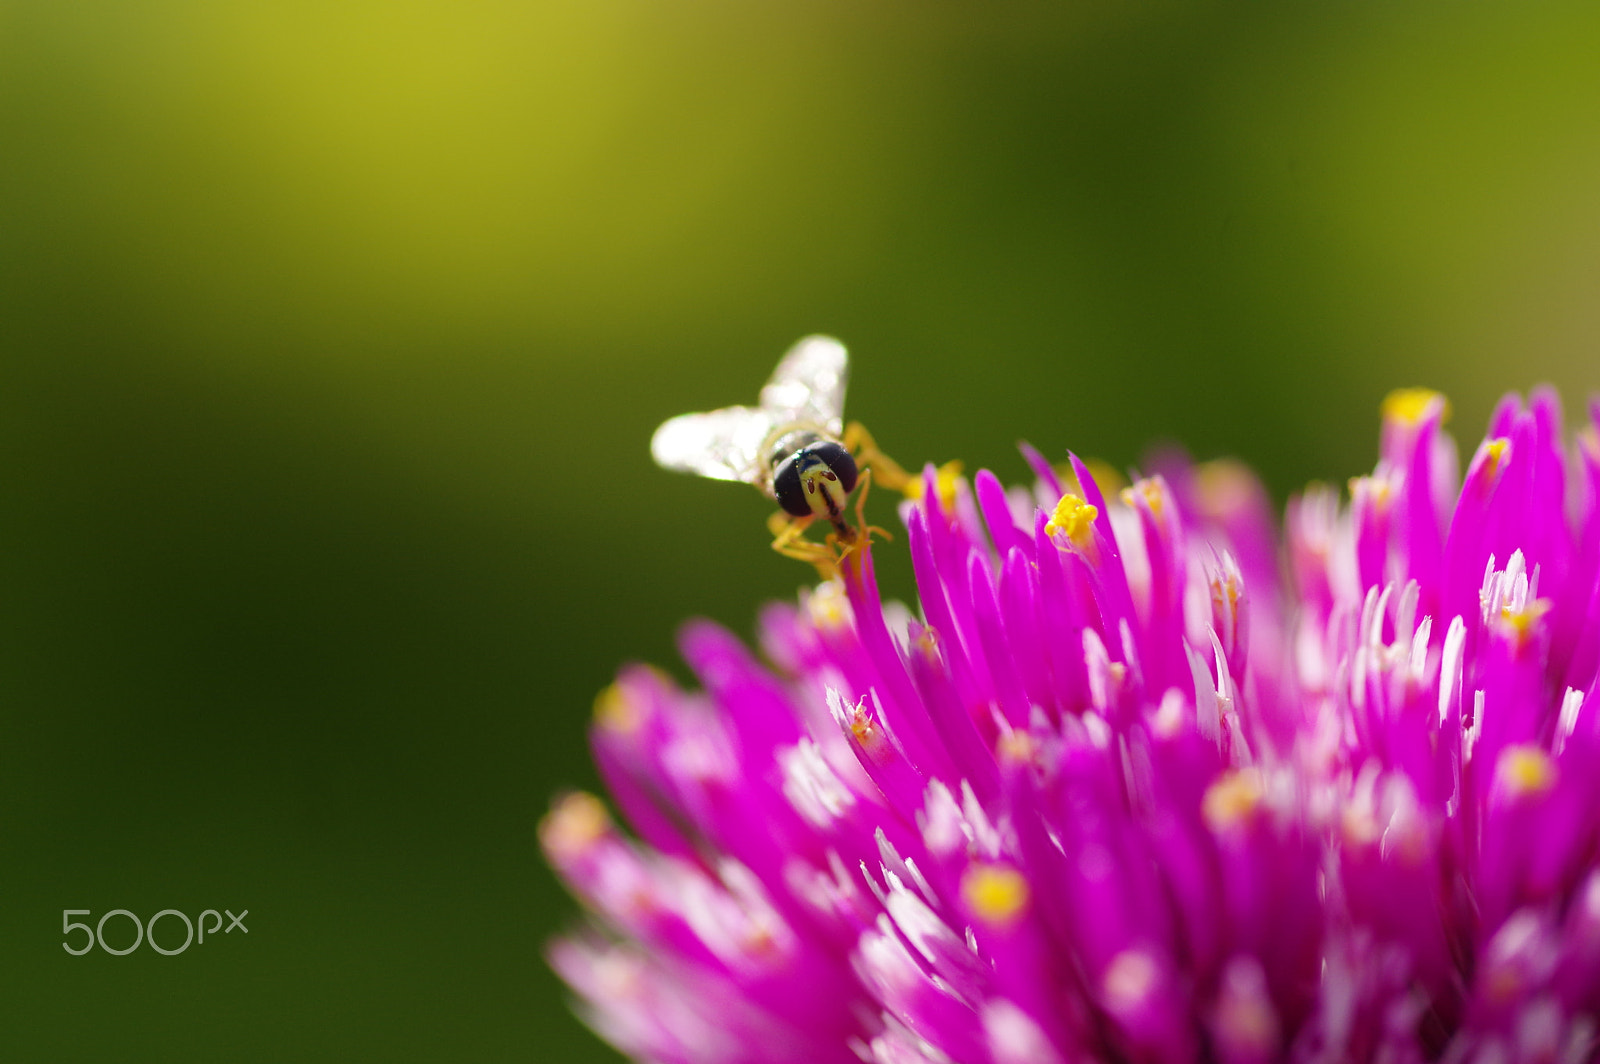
(836, 458)
(786, 486)
(814, 481)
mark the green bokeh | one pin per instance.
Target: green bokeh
(332, 341)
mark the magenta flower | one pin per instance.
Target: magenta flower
(1136, 783)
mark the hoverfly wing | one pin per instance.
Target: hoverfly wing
(721, 444)
(808, 385)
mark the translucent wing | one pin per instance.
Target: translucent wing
(721, 444)
(808, 385)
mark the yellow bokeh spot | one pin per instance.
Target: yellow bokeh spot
(1359, 827)
(1226, 591)
(615, 711)
(946, 482)
(1525, 771)
(1378, 490)
(1105, 475)
(1074, 517)
(577, 821)
(1223, 486)
(829, 606)
(996, 893)
(1151, 491)
(1495, 453)
(1232, 801)
(1017, 748)
(1523, 624)
(1589, 440)
(1410, 405)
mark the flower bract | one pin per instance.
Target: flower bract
(1141, 778)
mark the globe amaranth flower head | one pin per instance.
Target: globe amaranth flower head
(1138, 782)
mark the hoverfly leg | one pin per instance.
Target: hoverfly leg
(860, 442)
(862, 487)
(788, 539)
(782, 524)
(850, 540)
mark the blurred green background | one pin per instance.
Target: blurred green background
(333, 337)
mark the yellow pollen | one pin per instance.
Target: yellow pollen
(1226, 593)
(576, 823)
(1524, 623)
(1377, 489)
(926, 646)
(861, 726)
(1495, 453)
(1017, 748)
(945, 482)
(1525, 771)
(1074, 517)
(1150, 489)
(615, 711)
(1410, 405)
(829, 606)
(1232, 800)
(996, 893)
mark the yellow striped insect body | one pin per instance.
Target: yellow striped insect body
(793, 446)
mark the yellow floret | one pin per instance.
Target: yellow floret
(829, 606)
(1074, 517)
(615, 711)
(1410, 405)
(1017, 748)
(995, 893)
(1495, 453)
(576, 823)
(1524, 624)
(1525, 771)
(1232, 801)
(1151, 491)
(946, 479)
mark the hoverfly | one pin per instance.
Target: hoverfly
(794, 447)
